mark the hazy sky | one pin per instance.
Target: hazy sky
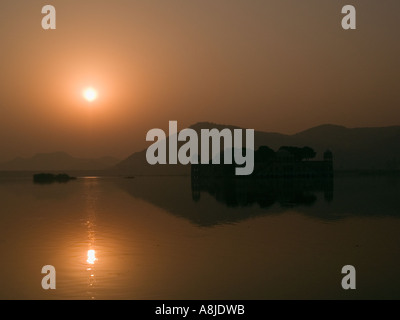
(280, 65)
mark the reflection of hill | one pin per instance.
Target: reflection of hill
(221, 202)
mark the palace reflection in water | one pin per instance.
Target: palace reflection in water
(278, 177)
(241, 192)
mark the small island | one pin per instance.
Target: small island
(51, 178)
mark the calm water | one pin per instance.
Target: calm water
(158, 238)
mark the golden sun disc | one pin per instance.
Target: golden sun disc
(90, 94)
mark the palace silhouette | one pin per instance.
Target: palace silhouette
(287, 162)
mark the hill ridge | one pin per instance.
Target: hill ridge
(362, 148)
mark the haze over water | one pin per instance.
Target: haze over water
(151, 240)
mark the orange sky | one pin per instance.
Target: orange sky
(281, 65)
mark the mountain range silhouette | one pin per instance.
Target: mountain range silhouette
(368, 148)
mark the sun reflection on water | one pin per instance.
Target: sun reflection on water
(91, 184)
(91, 254)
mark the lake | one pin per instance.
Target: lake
(166, 238)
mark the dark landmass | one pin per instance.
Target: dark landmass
(47, 178)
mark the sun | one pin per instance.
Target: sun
(90, 94)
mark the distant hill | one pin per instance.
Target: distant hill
(376, 148)
(57, 161)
